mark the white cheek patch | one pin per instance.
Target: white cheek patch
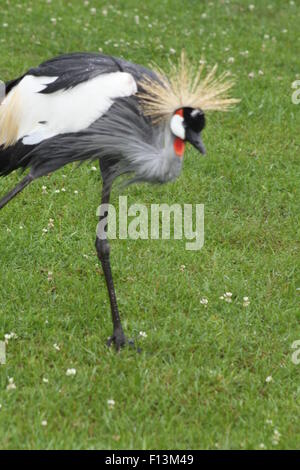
(177, 127)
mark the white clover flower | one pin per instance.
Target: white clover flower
(56, 347)
(137, 19)
(204, 301)
(277, 433)
(111, 403)
(227, 297)
(75, 192)
(251, 7)
(251, 75)
(143, 334)
(246, 301)
(276, 437)
(9, 336)
(45, 380)
(269, 379)
(11, 384)
(44, 422)
(51, 223)
(70, 372)
(231, 60)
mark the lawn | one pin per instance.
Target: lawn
(210, 376)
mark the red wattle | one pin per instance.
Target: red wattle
(179, 146)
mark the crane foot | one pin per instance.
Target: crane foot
(120, 341)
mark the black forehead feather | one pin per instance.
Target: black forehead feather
(194, 119)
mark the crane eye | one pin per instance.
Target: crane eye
(176, 125)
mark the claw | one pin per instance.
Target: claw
(120, 340)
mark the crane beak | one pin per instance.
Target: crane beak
(194, 138)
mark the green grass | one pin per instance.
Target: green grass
(200, 381)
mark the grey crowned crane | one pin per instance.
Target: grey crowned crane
(85, 106)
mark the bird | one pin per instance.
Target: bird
(135, 120)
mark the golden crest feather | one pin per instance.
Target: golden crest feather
(185, 86)
(9, 118)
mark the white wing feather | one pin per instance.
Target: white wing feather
(41, 116)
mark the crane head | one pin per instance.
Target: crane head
(187, 124)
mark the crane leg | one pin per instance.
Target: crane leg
(16, 190)
(103, 252)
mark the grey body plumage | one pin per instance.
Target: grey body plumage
(123, 132)
(85, 106)
(123, 136)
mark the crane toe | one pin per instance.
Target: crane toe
(120, 341)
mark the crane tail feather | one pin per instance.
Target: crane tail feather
(16, 190)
